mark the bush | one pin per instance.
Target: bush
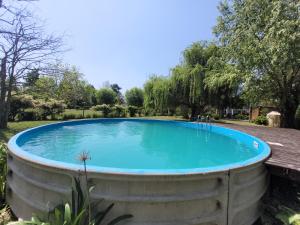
(19, 103)
(215, 116)
(261, 120)
(132, 110)
(297, 118)
(140, 111)
(50, 108)
(28, 115)
(119, 111)
(182, 111)
(3, 170)
(105, 109)
(241, 116)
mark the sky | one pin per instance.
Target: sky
(126, 41)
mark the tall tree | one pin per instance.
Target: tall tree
(44, 88)
(106, 96)
(135, 97)
(31, 78)
(117, 89)
(73, 89)
(158, 95)
(23, 46)
(188, 77)
(222, 81)
(262, 39)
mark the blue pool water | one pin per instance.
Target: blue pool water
(141, 144)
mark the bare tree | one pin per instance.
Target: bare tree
(24, 45)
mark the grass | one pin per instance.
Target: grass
(15, 127)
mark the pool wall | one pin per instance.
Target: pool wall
(224, 197)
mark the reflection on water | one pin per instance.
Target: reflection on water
(137, 145)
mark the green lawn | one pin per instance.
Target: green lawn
(15, 127)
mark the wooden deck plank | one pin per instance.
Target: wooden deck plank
(285, 160)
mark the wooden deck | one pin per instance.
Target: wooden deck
(285, 145)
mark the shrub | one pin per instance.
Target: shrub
(132, 110)
(50, 108)
(149, 112)
(28, 115)
(182, 111)
(3, 170)
(297, 118)
(215, 116)
(241, 116)
(261, 120)
(105, 109)
(140, 111)
(19, 103)
(119, 111)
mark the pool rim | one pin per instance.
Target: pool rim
(32, 158)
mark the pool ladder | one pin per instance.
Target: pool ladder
(204, 122)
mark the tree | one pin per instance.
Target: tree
(74, 90)
(23, 46)
(158, 95)
(117, 89)
(187, 78)
(44, 88)
(135, 97)
(31, 78)
(106, 96)
(222, 80)
(261, 38)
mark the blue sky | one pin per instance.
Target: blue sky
(125, 41)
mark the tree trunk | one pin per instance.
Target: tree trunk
(288, 109)
(3, 108)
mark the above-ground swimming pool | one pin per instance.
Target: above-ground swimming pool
(162, 172)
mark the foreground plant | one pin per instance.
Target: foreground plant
(3, 170)
(76, 213)
(81, 210)
(288, 216)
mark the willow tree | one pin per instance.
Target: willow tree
(261, 38)
(222, 81)
(187, 79)
(187, 83)
(158, 94)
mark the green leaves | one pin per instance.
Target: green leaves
(288, 216)
(261, 39)
(135, 97)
